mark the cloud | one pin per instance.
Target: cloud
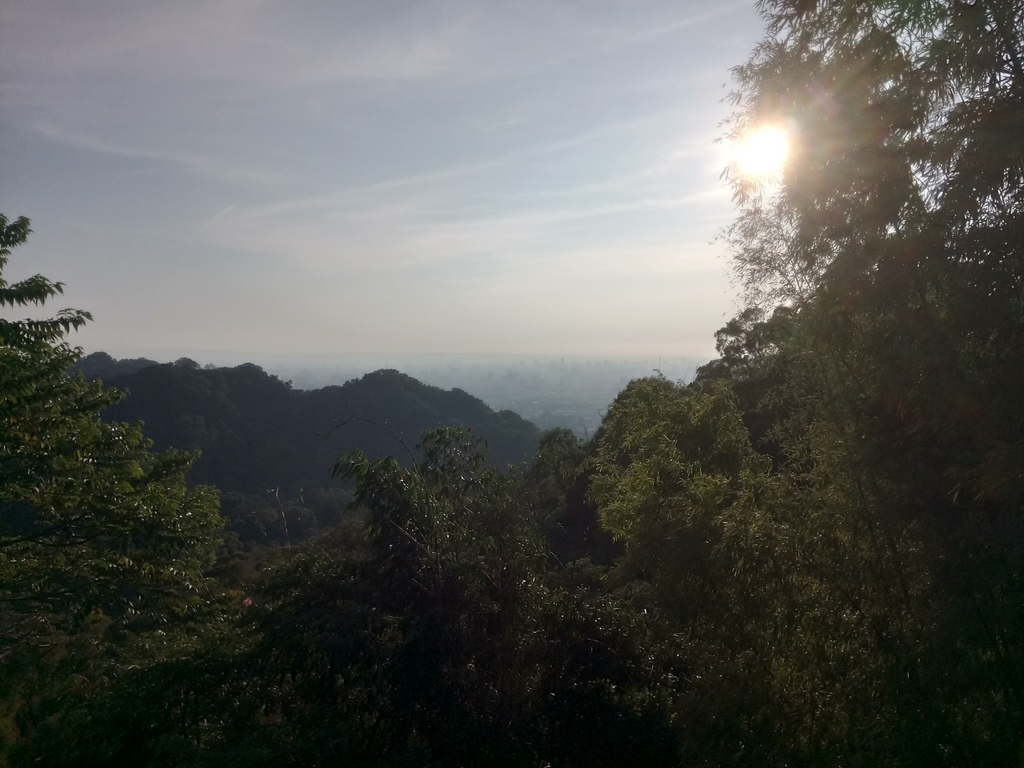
(416, 232)
(340, 200)
(206, 165)
(284, 44)
(238, 40)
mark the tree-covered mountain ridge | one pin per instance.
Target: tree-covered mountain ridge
(255, 431)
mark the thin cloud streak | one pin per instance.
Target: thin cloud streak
(345, 196)
(392, 237)
(202, 165)
(217, 216)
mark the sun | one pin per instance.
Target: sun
(762, 153)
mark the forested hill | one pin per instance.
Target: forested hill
(100, 365)
(256, 432)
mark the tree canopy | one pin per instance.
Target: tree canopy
(93, 527)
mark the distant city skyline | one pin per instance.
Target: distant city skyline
(255, 178)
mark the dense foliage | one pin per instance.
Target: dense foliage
(97, 534)
(893, 242)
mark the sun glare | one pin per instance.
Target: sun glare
(762, 153)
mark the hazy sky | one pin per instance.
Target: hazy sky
(266, 176)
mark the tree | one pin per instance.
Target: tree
(893, 240)
(898, 219)
(670, 461)
(91, 522)
(677, 481)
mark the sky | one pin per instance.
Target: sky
(260, 176)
